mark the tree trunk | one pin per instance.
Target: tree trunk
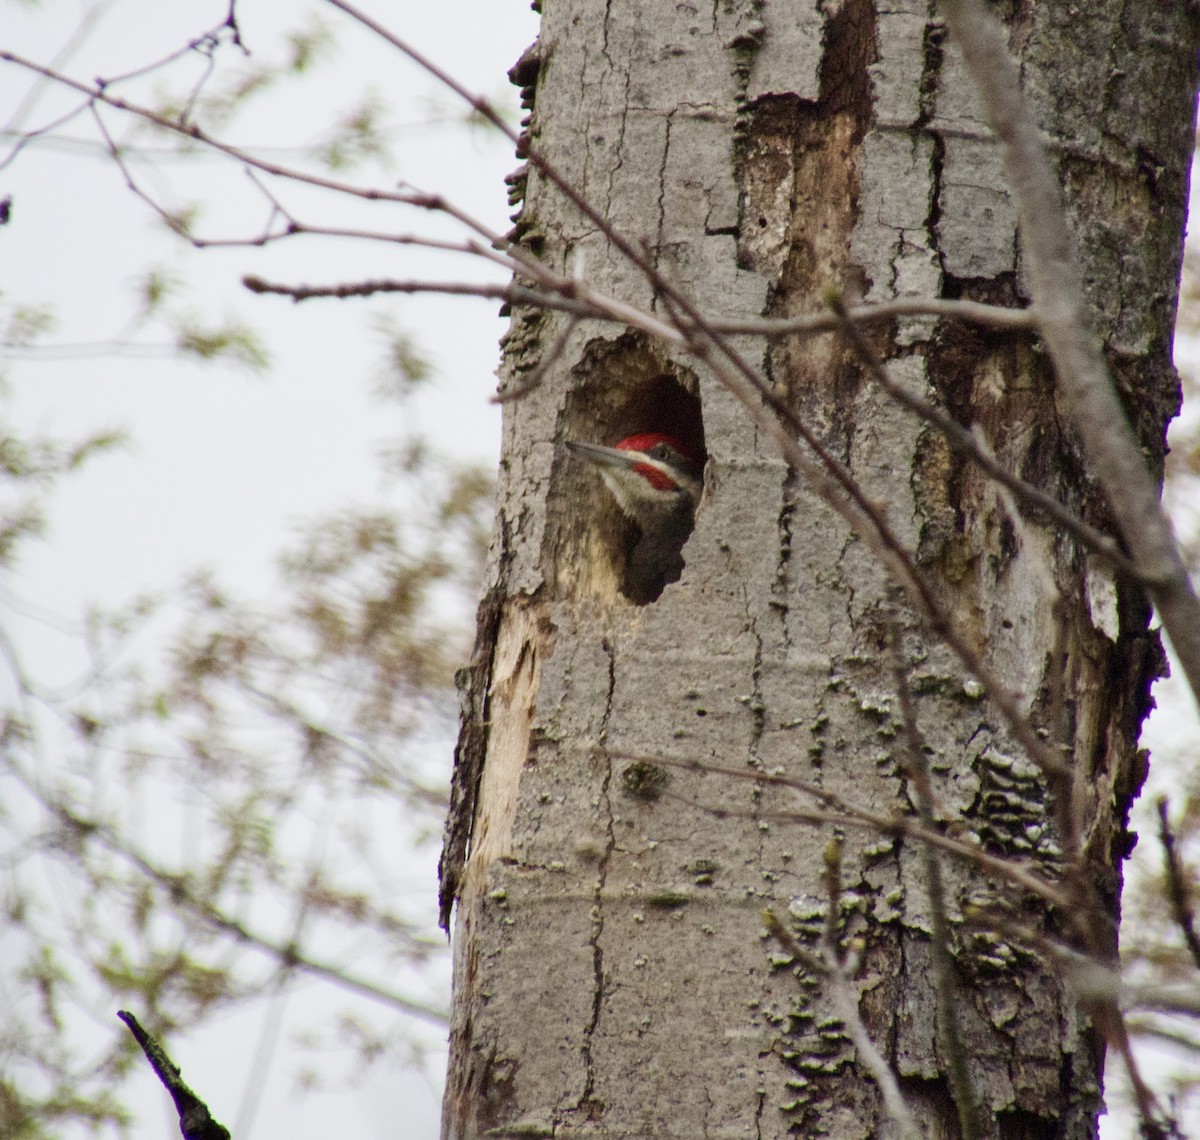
(612, 973)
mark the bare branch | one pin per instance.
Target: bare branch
(837, 486)
(27, 137)
(195, 1120)
(581, 299)
(973, 312)
(962, 440)
(1057, 286)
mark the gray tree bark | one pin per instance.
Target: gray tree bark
(612, 974)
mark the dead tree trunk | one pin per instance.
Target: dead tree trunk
(612, 977)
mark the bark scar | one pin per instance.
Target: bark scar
(493, 746)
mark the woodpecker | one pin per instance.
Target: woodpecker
(656, 483)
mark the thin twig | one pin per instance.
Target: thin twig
(26, 137)
(790, 944)
(1144, 1027)
(962, 1090)
(1158, 998)
(997, 317)
(509, 293)
(843, 996)
(434, 203)
(840, 988)
(88, 23)
(114, 152)
(831, 860)
(1177, 885)
(1022, 874)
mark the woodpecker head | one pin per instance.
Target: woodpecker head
(653, 477)
(656, 483)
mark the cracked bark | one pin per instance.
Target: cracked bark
(610, 978)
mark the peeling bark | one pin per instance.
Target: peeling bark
(611, 977)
